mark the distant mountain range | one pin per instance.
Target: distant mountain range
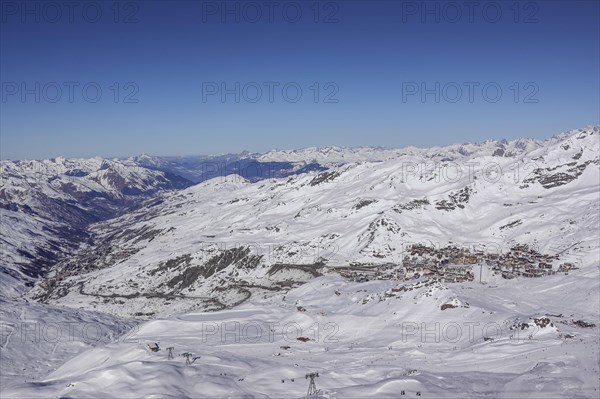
(47, 205)
(102, 233)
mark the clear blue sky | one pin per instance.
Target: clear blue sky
(373, 57)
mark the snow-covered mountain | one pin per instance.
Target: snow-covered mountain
(343, 155)
(524, 338)
(525, 208)
(36, 338)
(47, 205)
(461, 271)
(202, 168)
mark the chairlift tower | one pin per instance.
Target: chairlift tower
(187, 356)
(312, 387)
(480, 272)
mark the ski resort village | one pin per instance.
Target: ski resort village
(468, 270)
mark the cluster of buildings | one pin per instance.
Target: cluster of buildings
(455, 264)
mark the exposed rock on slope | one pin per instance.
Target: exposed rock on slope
(47, 205)
(214, 244)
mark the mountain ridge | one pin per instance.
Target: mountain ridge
(228, 234)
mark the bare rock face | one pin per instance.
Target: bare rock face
(216, 244)
(49, 204)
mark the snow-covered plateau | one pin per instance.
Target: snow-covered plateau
(462, 271)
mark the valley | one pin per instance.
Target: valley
(468, 270)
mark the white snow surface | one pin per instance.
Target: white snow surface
(358, 212)
(40, 200)
(506, 338)
(366, 340)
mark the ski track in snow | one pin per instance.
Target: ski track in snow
(370, 339)
(372, 353)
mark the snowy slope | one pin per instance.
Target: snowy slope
(366, 340)
(399, 270)
(35, 339)
(202, 168)
(216, 244)
(343, 155)
(45, 207)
